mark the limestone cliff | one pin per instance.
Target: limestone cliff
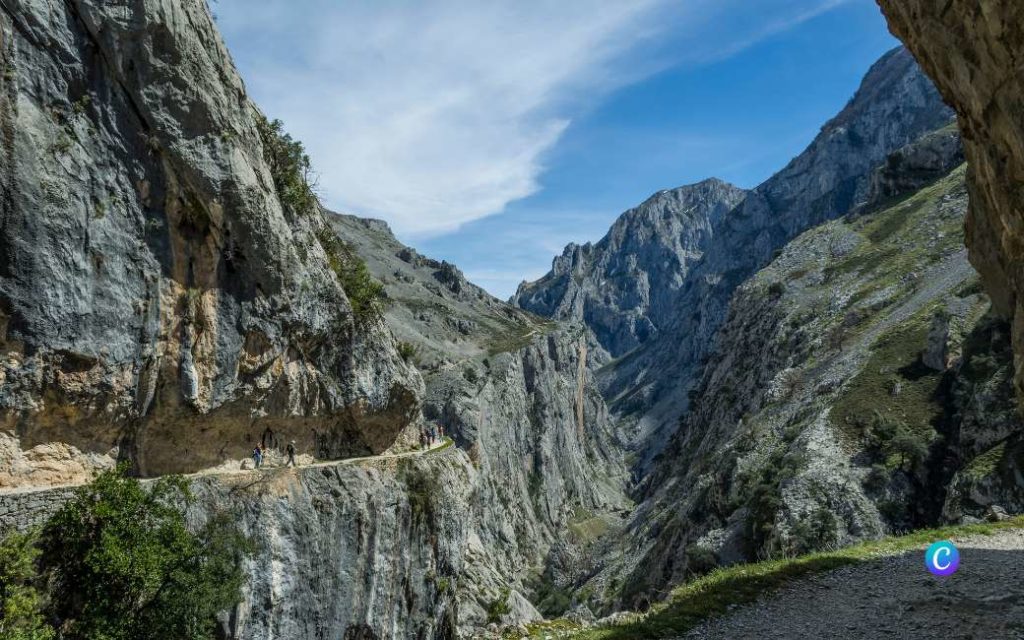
(518, 394)
(893, 107)
(974, 51)
(625, 286)
(159, 301)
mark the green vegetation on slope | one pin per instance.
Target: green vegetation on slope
(21, 598)
(364, 293)
(713, 594)
(118, 562)
(289, 165)
(893, 402)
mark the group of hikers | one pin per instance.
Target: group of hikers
(261, 450)
(269, 441)
(430, 435)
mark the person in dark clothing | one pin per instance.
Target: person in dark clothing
(291, 453)
(257, 456)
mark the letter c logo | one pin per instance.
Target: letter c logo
(942, 558)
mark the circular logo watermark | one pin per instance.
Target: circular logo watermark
(942, 558)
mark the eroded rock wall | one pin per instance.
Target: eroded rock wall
(158, 301)
(974, 52)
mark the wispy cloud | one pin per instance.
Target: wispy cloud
(434, 114)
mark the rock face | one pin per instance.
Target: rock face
(974, 51)
(158, 300)
(428, 545)
(625, 286)
(517, 393)
(372, 549)
(817, 422)
(895, 105)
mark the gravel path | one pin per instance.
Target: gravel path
(234, 467)
(895, 598)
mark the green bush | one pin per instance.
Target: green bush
(498, 608)
(909, 447)
(700, 560)
(408, 351)
(364, 293)
(122, 565)
(21, 602)
(470, 374)
(421, 489)
(289, 165)
(814, 532)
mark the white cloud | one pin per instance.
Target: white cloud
(433, 114)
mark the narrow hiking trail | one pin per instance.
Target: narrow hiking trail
(894, 597)
(225, 469)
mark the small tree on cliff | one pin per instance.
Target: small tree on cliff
(122, 564)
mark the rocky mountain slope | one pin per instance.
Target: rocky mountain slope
(160, 300)
(517, 393)
(894, 106)
(859, 386)
(973, 52)
(625, 286)
(169, 291)
(853, 386)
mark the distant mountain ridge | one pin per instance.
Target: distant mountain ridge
(894, 106)
(624, 286)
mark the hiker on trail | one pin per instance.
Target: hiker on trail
(291, 454)
(257, 456)
(433, 434)
(423, 438)
(440, 430)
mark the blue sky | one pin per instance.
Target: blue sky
(492, 134)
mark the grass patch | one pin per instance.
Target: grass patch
(512, 336)
(894, 386)
(586, 527)
(987, 463)
(712, 594)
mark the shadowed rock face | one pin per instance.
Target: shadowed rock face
(157, 300)
(974, 52)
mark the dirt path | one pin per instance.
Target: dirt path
(227, 470)
(895, 598)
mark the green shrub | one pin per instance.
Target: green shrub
(364, 293)
(470, 374)
(877, 478)
(421, 487)
(909, 447)
(122, 565)
(408, 351)
(814, 532)
(776, 289)
(700, 560)
(499, 608)
(761, 492)
(289, 165)
(21, 602)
